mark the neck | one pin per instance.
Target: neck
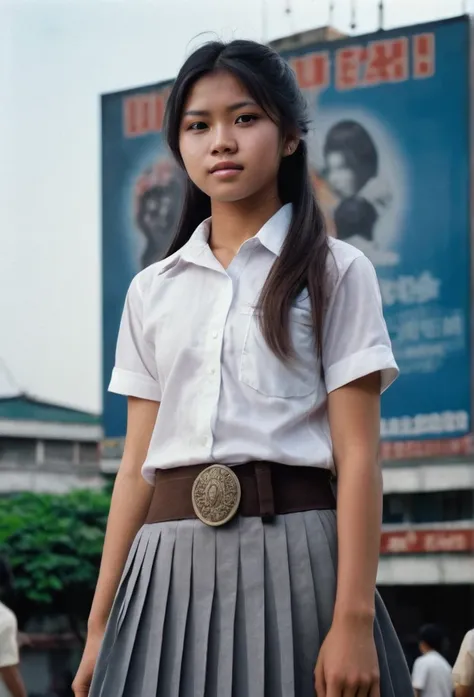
(234, 223)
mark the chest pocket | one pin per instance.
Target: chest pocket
(262, 370)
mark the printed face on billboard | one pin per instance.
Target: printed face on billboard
(156, 204)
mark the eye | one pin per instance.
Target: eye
(246, 118)
(197, 126)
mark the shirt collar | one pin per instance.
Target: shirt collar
(272, 235)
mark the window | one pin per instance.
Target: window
(88, 453)
(58, 452)
(396, 508)
(17, 451)
(428, 507)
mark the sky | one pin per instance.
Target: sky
(56, 58)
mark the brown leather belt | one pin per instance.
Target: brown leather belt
(216, 493)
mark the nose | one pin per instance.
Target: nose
(224, 142)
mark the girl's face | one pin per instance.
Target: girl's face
(341, 178)
(230, 148)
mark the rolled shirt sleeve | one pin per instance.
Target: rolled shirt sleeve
(463, 670)
(356, 340)
(135, 373)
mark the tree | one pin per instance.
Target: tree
(54, 544)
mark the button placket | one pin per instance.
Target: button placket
(213, 359)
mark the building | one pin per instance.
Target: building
(45, 447)
(426, 570)
(306, 38)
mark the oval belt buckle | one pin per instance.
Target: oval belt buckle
(216, 495)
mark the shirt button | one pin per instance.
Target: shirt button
(205, 440)
(215, 335)
(212, 371)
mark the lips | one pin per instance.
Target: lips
(226, 166)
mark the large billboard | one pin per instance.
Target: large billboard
(389, 153)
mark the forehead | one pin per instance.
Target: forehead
(216, 91)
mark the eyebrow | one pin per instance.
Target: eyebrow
(232, 107)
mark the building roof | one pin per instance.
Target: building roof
(17, 405)
(24, 408)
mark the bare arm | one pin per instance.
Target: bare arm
(417, 693)
(14, 682)
(354, 415)
(130, 501)
(347, 662)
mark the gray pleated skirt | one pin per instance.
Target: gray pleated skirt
(236, 611)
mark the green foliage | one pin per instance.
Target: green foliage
(54, 544)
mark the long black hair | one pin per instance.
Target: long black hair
(302, 261)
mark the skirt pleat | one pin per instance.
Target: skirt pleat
(323, 559)
(278, 630)
(126, 643)
(144, 664)
(236, 611)
(249, 647)
(307, 634)
(132, 572)
(174, 631)
(222, 628)
(194, 669)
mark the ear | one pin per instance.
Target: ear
(290, 145)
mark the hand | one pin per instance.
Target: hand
(83, 679)
(347, 665)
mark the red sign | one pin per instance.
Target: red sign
(401, 450)
(427, 541)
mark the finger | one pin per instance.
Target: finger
(353, 690)
(319, 682)
(334, 689)
(375, 689)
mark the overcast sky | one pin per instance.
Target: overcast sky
(55, 59)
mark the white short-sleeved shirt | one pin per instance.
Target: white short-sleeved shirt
(190, 339)
(432, 675)
(9, 654)
(463, 671)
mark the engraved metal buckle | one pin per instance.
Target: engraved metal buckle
(216, 495)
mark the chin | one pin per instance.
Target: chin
(233, 194)
(228, 199)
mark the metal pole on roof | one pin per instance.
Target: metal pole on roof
(353, 15)
(381, 14)
(331, 13)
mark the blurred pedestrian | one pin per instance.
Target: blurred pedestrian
(232, 585)
(463, 671)
(431, 671)
(11, 682)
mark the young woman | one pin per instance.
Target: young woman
(253, 358)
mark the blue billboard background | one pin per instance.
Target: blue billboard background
(389, 152)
